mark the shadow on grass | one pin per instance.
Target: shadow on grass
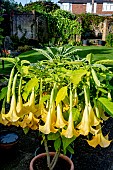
(33, 56)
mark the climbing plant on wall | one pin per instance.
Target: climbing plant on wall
(67, 25)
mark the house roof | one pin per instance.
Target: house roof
(83, 1)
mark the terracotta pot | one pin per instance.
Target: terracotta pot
(51, 154)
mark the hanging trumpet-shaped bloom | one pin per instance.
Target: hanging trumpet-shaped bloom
(12, 114)
(89, 118)
(30, 105)
(49, 125)
(30, 121)
(94, 121)
(51, 118)
(60, 122)
(70, 131)
(99, 139)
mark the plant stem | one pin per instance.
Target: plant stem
(47, 151)
(54, 160)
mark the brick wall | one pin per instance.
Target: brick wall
(99, 10)
(78, 8)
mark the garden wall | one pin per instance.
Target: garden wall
(31, 26)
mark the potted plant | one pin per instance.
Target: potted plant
(62, 98)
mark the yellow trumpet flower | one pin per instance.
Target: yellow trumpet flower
(60, 122)
(99, 139)
(3, 120)
(29, 121)
(94, 121)
(12, 114)
(30, 105)
(49, 124)
(88, 120)
(51, 117)
(70, 131)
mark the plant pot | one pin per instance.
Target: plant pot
(39, 162)
(101, 43)
(8, 140)
(85, 42)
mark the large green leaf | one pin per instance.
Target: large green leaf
(66, 142)
(89, 58)
(96, 80)
(53, 136)
(57, 144)
(62, 93)
(106, 105)
(28, 87)
(45, 53)
(12, 60)
(105, 62)
(77, 75)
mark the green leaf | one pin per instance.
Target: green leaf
(106, 105)
(28, 87)
(67, 141)
(53, 136)
(103, 90)
(26, 130)
(62, 93)
(106, 62)
(44, 98)
(77, 75)
(24, 62)
(25, 70)
(12, 60)
(70, 149)
(100, 66)
(44, 53)
(76, 114)
(96, 80)
(3, 93)
(57, 144)
(89, 58)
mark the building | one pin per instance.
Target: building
(99, 7)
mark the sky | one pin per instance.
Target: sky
(27, 1)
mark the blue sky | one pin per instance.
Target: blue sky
(27, 1)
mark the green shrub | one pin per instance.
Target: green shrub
(24, 48)
(109, 40)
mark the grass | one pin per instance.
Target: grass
(100, 53)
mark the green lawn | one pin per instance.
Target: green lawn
(100, 53)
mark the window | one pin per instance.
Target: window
(66, 6)
(107, 7)
(89, 7)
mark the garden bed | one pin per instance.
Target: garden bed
(85, 157)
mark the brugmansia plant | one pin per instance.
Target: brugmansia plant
(62, 98)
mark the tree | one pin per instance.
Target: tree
(1, 30)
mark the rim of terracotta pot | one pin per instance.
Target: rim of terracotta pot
(51, 153)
